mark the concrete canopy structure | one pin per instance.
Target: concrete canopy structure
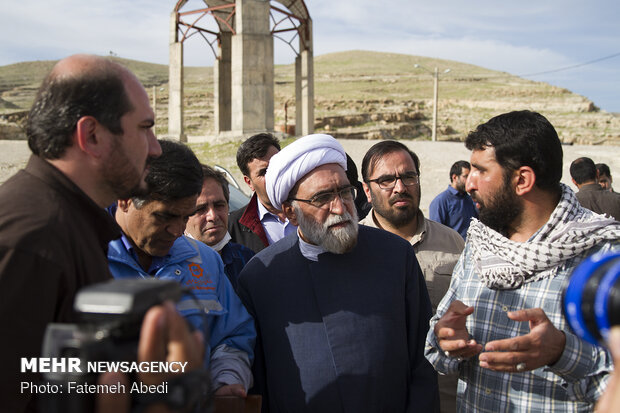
(244, 68)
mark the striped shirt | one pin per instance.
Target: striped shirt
(572, 384)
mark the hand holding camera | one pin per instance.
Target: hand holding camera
(164, 337)
(129, 333)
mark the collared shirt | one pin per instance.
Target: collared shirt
(572, 384)
(437, 249)
(156, 262)
(274, 228)
(245, 227)
(453, 209)
(213, 307)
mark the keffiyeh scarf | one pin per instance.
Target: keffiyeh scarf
(504, 264)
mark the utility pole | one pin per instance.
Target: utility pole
(435, 99)
(155, 101)
(435, 75)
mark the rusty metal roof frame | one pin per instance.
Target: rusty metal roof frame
(295, 26)
(223, 12)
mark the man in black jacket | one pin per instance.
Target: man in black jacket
(591, 195)
(90, 132)
(258, 224)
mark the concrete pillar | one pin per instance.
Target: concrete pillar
(175, 84)
(222, 84)
(304, 84)
(252, 68)
(298, 110)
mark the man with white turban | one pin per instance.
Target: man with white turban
(341, 312)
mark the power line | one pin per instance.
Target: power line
(572, 67)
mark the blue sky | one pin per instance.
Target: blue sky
(522, 38)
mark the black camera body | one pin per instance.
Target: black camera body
(591, 301)
(110, 319)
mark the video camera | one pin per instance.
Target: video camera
(110, 319)
(591, 301)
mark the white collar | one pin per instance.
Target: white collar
(310, 251)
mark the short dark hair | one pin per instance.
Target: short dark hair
(378, 150)
(522, 138)
(62, 100)
(219, 177)
(457, 168)
(253, 148)
(583, 170)
(351, 170)
(176, 174)
(603, 169)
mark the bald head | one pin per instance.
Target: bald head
(81, 64)
(77, 86)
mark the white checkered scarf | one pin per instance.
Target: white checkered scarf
(503, 264)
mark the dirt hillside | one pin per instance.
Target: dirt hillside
(358, 95)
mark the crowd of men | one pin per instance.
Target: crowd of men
(296, 297)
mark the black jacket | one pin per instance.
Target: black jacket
(53, 242)
(595, 198)
(245, 227)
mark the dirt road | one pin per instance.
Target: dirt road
(435, 160)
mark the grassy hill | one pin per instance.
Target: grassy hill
(361, 94)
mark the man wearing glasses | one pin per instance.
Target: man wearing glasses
(391, 174)
(340, 310)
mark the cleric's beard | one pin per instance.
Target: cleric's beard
(334, 240)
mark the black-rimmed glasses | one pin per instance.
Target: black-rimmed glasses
(323, 199)
(389, 181)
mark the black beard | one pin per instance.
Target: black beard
(501, 210)
(399, 217)
(460, 187)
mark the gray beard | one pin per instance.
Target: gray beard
(336, 241)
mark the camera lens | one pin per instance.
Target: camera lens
(592, 297)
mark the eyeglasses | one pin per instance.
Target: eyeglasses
(389, 181)
(323, 199)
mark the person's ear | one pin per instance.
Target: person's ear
(248, 181)
(367, 191)
(290, 213)
(124, 204)
(525, 179)
(88, 137)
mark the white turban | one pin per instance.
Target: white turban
(296, 160)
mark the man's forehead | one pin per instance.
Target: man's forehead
(263, 161)
(137, 96)
(212, 189)
(387, 162)
(486, 155)
(257, 164)
(174, 207)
